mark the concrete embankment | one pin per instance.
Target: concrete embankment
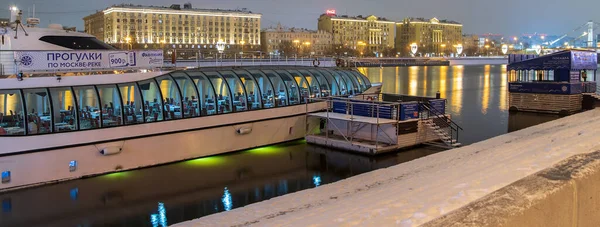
(545, 175)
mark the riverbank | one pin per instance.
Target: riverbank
(425, 189)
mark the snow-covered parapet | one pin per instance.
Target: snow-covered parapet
(416, 192)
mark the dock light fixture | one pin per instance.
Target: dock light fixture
(72, 166)
(6, 177)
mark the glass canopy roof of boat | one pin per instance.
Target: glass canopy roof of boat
(177, 95)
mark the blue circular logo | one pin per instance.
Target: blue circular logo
(26, 60)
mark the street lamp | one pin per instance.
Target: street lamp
(307, 44)
(443, 49)
(487, 47)
(297, 44)
(128, 40)
(361, 44)
(242, 43)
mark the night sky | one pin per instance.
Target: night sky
(508, 17)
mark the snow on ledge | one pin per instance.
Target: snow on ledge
(416, 192)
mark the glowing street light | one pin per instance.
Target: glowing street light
(14, 9)
(515, 38)
(413, 48)
(459, 49)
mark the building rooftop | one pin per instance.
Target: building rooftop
(186, 7)
(359, 17)
(432, 20)
(285, 29)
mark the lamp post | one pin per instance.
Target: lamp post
(443, 50)
(361, 46)
(307, 44)
(128, 41)
(487, 47)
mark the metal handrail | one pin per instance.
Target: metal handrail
(437, 113)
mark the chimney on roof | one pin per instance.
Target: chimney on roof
(176, 7)
(187, 5)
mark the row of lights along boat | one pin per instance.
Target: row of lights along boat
(72, 106)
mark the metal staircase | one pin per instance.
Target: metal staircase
(441, 125)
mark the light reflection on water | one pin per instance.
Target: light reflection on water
(477, 95)
(195, 188)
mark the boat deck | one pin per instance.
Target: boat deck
(355, 118)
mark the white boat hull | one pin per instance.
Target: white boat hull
(36, 160)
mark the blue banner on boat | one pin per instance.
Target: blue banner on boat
(584, 60)
(409, 110)
(439, 105)
(545, 88)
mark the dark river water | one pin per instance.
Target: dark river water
(169, 194)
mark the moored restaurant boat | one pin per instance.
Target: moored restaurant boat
(67, 111)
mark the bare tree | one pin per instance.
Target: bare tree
(287, 48)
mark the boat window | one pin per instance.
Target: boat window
(303, 85)
(335, 88)
(315, 91)
(205, 92)
(172, 99)
(63, 105)
(294, 92)
(110, 100)
(38, 104)
(357, 79)
(222, 91)
(351, 81)
(364, 78)
(280, 94)
(77, 43)
(325, 85)
(11, 113)
(132, 103)
(240, 100)
(345, 88)
(266, 88)
(152, 101)
(89, 107)
(252, 88)
(189, 94)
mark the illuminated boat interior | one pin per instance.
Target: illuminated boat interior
(179, 94)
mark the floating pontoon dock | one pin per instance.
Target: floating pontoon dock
(375, 127)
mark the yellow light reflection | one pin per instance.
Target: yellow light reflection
(380, 74)
(398, 81)
(457, 86)
(485, 98)
(424, 90)
(503, 89)
(443, 74)
(413, 74)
